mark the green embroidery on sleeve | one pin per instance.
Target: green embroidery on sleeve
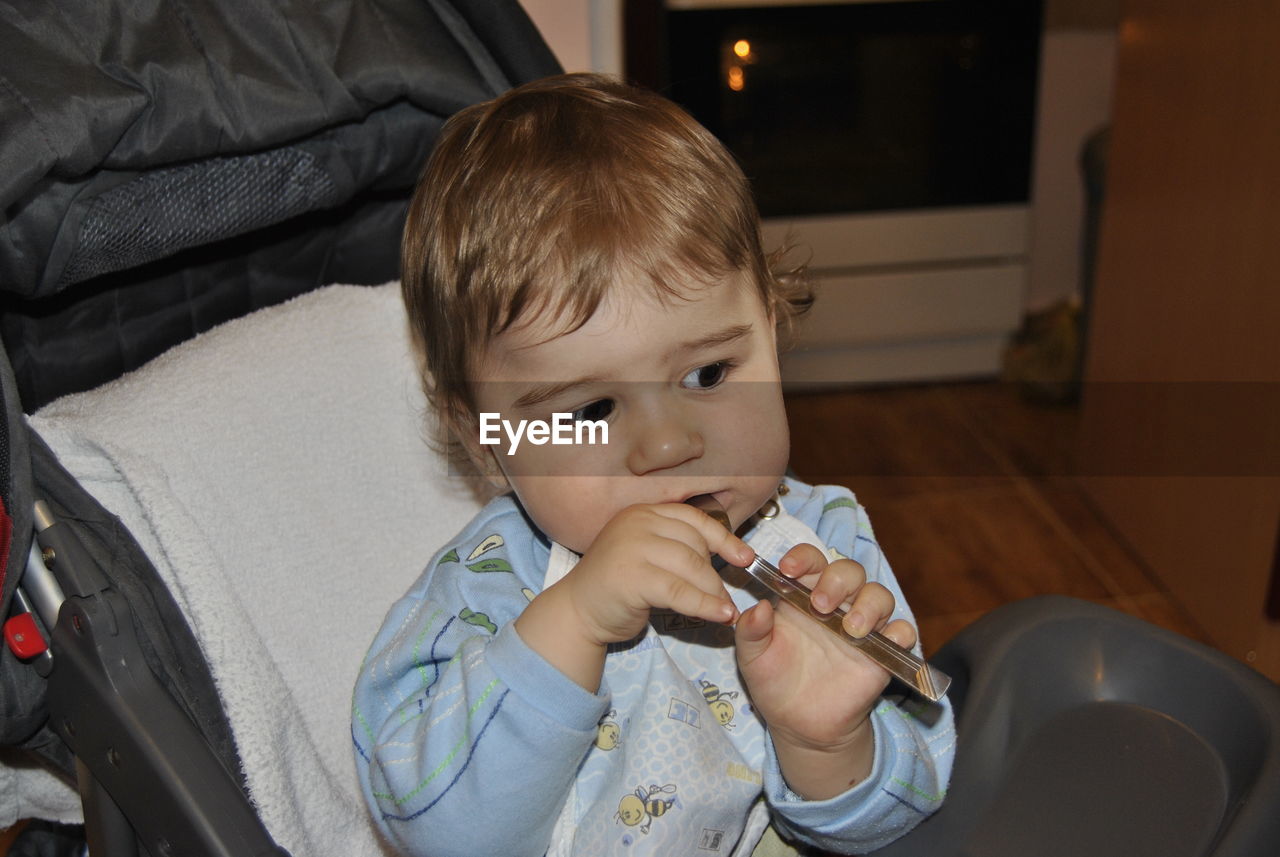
(448, 759)
(919, 792)
(417, 646)
(471, 617)
(364, 724)
(490, 565)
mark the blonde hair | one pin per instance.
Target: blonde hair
(537, 200)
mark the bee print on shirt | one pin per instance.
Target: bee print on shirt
(609, 733)
(642, 806)
(718, 701)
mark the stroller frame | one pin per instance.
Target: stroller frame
(143, 769)
(213, 194)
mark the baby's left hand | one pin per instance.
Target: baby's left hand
(815, 692)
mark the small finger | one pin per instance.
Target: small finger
(901, 632)
(676, 593)
(871, 608)
(802, 561)
(719, 539)
(756, 623)
(686, 561)
(753, 632)
(838, 584)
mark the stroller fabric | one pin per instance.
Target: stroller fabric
(276, 473)
(165, 167)
(193, 161)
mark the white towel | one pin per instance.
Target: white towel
(276, 472)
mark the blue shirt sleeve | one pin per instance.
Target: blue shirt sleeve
(914, 739)
(452, 711)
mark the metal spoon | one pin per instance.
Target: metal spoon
(926, 680)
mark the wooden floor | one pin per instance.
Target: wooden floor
(969, 490)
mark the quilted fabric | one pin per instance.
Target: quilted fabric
(190, 162)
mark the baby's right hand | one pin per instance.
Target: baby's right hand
(652, 556)
(645, 557)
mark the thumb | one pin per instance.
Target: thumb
(754, 632)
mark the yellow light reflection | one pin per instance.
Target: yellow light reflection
(742, 48)
(736, 80)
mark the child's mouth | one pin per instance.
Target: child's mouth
(711, 506)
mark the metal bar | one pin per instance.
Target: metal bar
(141, 754)
(928, 681)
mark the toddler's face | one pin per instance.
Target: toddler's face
(689, 389)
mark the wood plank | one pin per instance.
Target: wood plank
(1186, 295)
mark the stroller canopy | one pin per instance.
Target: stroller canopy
(189, 162)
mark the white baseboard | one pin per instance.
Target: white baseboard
(971, 357)
(908, 296)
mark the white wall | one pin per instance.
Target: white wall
(585, 35)
(1076, 71)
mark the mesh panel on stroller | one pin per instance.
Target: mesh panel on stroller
(165, 168)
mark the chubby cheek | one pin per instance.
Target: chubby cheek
(756, 451)
(756, 482)
(759, 450)
(569, 510)
(750, 437)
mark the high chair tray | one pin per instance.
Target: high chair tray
(1084, 731)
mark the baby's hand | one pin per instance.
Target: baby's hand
(645, 557)
(652, 556)
(814, 691)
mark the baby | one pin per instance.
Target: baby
(572, 674)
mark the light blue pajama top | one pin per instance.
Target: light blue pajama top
(467, 742)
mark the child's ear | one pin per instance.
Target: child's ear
(492, 471)
(464, 430)
(775, 317)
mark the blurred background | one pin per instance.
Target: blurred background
(1043, 235)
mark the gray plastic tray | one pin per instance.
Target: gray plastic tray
(1084, 732)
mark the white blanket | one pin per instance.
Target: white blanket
(276, 472)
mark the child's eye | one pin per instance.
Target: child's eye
(707, 377)
(593, 412)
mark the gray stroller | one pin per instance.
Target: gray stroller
(166, 167)
(214, 475)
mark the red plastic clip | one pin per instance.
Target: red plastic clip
(24, 637)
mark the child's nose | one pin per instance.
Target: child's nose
(665, 441)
